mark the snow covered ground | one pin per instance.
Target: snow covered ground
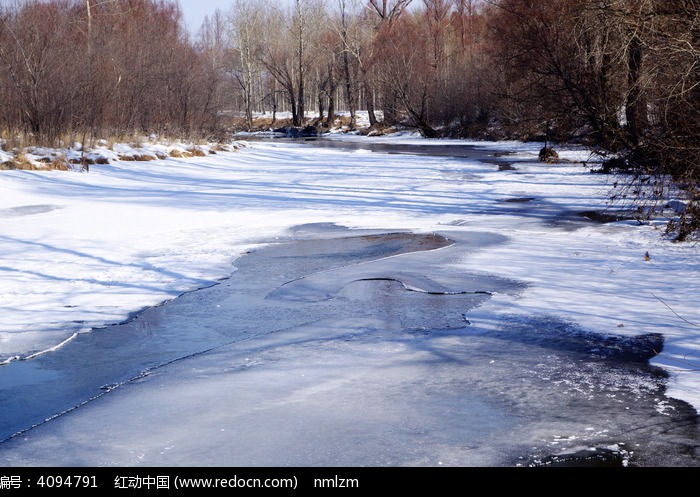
(79, 251)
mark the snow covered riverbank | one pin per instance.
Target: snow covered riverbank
(83, 250)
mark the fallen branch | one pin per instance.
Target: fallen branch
(675, 313)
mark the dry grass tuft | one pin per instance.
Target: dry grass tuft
(23, 163)
(179, 154)
(59, 164)
(196, 152)
(137, 157)
(549, 155)
(378, 130)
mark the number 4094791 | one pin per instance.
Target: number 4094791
(73, 481)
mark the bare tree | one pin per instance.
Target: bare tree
(33, 50)
(212, 48)
(300, 33)
(349, 48)
(71, 67)
(245, 20)
(278, 57)
(328, 47)
(387, 12)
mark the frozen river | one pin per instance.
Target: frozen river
(344, 348)
(330, 346)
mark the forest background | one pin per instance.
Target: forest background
(622, 76)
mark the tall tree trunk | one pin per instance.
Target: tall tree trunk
(369, 96)
(331, 96)
(349, 90)
(321, 107)
(349, 85)
(636, 111)
(300, 114)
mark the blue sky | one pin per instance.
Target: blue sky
(195, 10)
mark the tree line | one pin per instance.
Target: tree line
(621, 75)
(101, 68)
